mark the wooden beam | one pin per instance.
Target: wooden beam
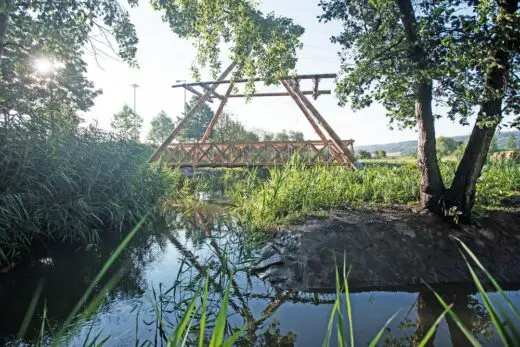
(189, 115)
(196, 92)
(315, 90)
(341, 145)
(299, 77)
(215, 118)
(307, 92)
(305, 112)
(215, 94)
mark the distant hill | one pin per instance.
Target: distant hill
(410, 147)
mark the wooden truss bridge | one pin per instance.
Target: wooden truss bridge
(329, 150)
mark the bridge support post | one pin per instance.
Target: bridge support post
(189, 115)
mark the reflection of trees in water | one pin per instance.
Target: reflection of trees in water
(67, 272)
(224, 261)
(471, 312)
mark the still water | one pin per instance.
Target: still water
(165, 266)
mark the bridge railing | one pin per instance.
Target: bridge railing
(271, 153)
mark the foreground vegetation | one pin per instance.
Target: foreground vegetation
(69, 184)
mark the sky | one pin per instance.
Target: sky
(164, 58)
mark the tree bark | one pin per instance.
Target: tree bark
(432, 187)
(462, 191)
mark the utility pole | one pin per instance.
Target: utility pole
(135, 89)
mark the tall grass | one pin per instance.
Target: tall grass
(297, 190)
(67, 184)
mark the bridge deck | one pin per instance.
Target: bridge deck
(272, 153)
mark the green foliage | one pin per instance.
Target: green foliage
(71, 185)
(493, 148)
(59, 32)
(380, 154)
(361, 154)
(262, 45)
(298, 190)
(381, 64)
(127, 124)
(512, 142)
(196, 127)
(160, 127)
(229, 130)
(447, 145)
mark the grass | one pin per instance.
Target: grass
(297, 190)
(69, 185)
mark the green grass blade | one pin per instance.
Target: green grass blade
(499, 289)
(180, 329)
(202, 324)
(108, 264)
(326, 341)
(376, 339)
(42, 327)
(433, 328)
(506, 339)
(220, 324)
(339, 327)
(229, 342)
(472, 339)
(347, 300)
(30, 311)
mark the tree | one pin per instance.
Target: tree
(262, 45)
(127, 124)
(493, 148)
(380, 154)
(447, 145)
(511, 141)
(228, 130)
(296, 136)
(407, 55)
(362, 154)
(282, 136)
(54, 35)
(161, 127)
(196, 127)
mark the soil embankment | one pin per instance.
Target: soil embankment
(386, 248)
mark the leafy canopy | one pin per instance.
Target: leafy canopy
(160, 127)
(61, 32)
(127, 124)
(262, 45)
(379, 65)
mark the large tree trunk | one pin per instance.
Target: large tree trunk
(432, 187)
(462, 191)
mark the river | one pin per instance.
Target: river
(164, 267)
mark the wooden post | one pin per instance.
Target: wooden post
(189, 115)
(196, 92)
(305, 111)
(211, 125)
(335, 138)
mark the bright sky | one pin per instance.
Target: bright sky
(164, 58)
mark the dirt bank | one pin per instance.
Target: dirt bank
(391, 247)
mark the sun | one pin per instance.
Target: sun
(44, 65)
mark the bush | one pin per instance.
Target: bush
(69, 185)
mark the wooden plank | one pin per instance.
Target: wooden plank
(214, 94)
(307, 92)
(196, 92)
(189, 115)
(245, 80)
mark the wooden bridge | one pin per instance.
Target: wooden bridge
(329, 150)
(271, 153)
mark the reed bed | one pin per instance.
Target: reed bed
(69, 184)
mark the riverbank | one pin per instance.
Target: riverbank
(388, 247)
